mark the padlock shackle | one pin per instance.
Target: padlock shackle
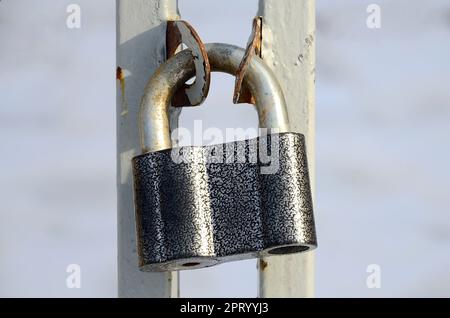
(154, 117)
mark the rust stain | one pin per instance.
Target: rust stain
(119, 73)
(174, 38)
(242, 93)
(121, 77)
(263, 265)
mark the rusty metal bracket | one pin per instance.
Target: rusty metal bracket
(181, 32)
(241, 93)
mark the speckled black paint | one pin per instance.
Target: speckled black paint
(197, 214)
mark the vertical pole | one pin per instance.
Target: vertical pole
(141, 34)
(289, 49)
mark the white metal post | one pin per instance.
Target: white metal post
(289, 49)
(141, 30)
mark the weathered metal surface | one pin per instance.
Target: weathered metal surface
(242, 93)
(181, 32)
(154, 117)
(204, 211)
(288, 48)
(141, 30)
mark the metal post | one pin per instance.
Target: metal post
(141, 35)
(289, 49)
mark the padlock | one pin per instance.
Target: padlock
(200, 212)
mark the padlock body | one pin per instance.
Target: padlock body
(201, 206)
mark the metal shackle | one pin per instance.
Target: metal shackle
(154, 115)
(202, 213)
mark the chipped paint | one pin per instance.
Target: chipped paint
(263, 265)
(120, 76)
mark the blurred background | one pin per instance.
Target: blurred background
(383, 126)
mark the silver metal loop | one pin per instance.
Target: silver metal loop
(169, 77)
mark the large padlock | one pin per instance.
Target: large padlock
(199, 212)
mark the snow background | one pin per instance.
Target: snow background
(383, 126)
